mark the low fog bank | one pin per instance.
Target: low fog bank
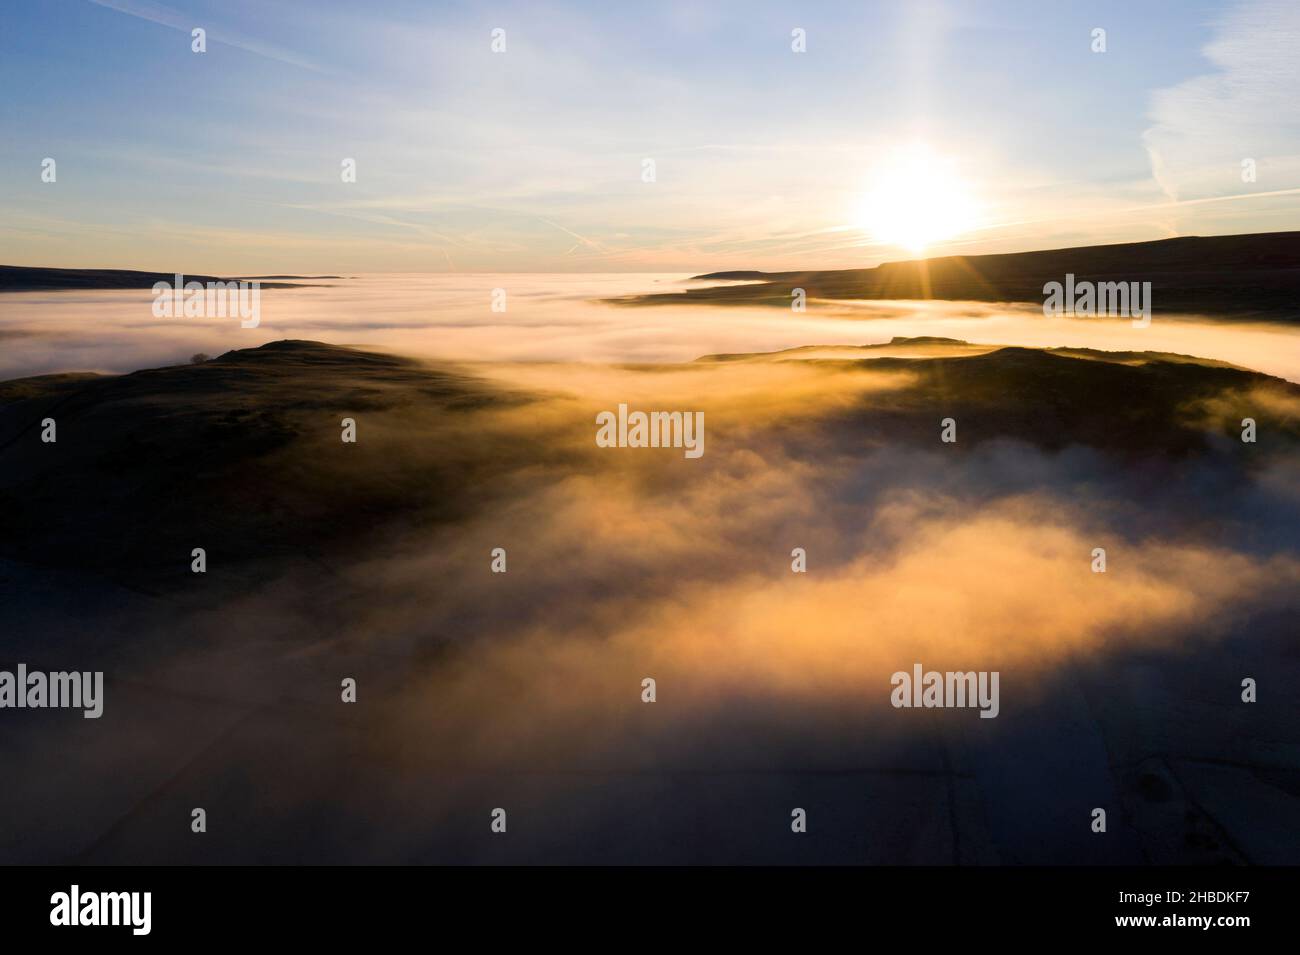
(523, 689)
(569, 318)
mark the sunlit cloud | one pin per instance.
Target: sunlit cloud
(1206, 127)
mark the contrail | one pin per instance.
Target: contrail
(166, 16)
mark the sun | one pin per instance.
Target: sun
(916, 199)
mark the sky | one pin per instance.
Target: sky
(902, 128)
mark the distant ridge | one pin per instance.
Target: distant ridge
(23, 278)
(1230, 276)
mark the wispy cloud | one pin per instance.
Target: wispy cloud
(1205, 127)
(166, 16)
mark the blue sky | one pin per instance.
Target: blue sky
(532, 159)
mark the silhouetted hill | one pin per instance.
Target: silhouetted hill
(242, 454)
(1231, 275)
(23, 278)
(1132, 404)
